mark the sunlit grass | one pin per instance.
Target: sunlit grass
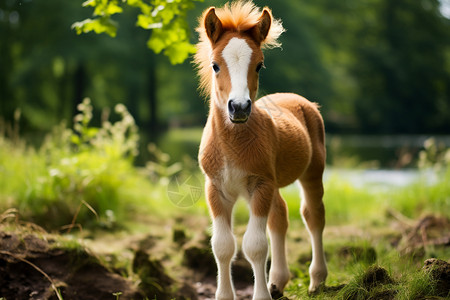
(86, 175)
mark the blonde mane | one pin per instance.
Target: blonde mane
(237, 17)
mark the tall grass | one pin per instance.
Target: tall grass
(84, 175)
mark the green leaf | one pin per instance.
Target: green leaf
(90, 3)
(179, 52)
(99, 25)
(113, 8)
(147, 22)
(166, 19)
(157, 41)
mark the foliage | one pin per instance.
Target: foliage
(432, 192)
(85, 167)
(435, 156)
(368, 64)
(159, 169)
(166, 19)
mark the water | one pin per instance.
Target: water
(381, 178)
(364, 161)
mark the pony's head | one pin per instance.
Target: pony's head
(229, 54)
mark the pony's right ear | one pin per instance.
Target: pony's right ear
(213, 25)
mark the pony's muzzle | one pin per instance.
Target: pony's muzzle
(239, 111)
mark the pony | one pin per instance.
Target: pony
(248, 150)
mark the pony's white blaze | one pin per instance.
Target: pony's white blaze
(237, 54)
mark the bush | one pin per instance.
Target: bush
(75, 174)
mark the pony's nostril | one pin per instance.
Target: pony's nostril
(231, 106)
(246, 107)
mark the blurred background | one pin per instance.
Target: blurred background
(379, 69)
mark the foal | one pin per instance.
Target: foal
(247, 150)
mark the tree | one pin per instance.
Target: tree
(404, 84)
(166, 19)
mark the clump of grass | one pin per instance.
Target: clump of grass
(415, 285)
(84, 174)
(372, 283)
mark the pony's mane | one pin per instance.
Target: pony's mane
(238, 17)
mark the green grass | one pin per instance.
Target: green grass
(86, 175)
(82, 175)
(404, 281)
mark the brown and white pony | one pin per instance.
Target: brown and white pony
(248, 150)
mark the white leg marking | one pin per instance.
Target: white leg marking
(279, 272)
(237, 54)
(224, 248)
(255, 248)
(318, 269)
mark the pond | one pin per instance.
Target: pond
(380, 178)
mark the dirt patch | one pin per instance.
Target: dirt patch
(173, 264)
(201, 259)
(30, 268)
(154, 280)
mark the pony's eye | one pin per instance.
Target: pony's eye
(259, 66)
(215, 67)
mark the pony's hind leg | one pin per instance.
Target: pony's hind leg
(278, 224)
(313, 213)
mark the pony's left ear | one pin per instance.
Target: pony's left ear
(261, 29)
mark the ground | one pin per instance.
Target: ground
(172, 259)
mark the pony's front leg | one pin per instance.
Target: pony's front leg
(255, 244)
(222, 241)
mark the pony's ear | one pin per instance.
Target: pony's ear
(261, 29)
(213, 25)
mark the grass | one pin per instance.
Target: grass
(391, 275)
(78, 175)
(86, 176)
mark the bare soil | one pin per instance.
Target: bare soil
(172, 263)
